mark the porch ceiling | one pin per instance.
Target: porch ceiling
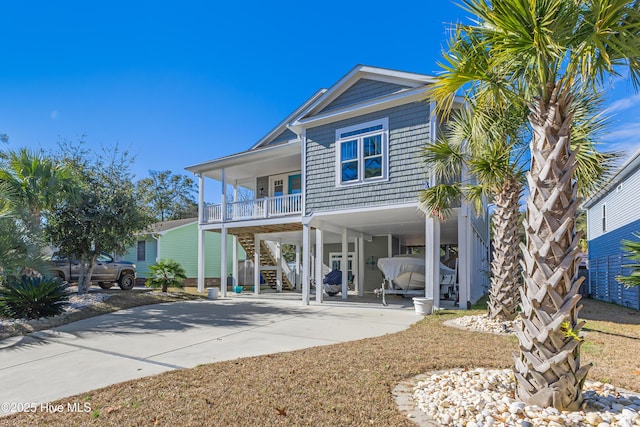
(243, 168)
(405, 222)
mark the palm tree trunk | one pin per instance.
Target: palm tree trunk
(547, 368)
(504, 296)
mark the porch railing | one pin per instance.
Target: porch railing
(267, 207)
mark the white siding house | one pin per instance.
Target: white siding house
(613, 215)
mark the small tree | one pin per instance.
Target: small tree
(164, 274)
(168, 196)
(633, 249)
(101, 216)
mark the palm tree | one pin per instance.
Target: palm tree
(544, 52)
(34, 182)
(632, 247)
(488, 145)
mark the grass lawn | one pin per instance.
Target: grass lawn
(336, 385)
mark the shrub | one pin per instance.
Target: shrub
(164, 274)
(33, 297)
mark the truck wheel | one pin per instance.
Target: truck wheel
(126, 281)
(105, 285)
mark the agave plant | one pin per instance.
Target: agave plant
(33, 298)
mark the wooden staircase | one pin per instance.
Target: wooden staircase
(266, 259)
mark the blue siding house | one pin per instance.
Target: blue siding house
(613, 215)
(339, 179)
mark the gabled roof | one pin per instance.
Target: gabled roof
(163, 226)
(411, 86)
(629, 167)
(282, 126)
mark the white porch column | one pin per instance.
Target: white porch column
(319, 257)
(256, 265)
(464, 231)
(344, 263)
(297, 274)
(234, 267)
(224, 197)
(278, 256)
(432, 260)
(306, 264)
(361, 260)
(201, 269)
(223, 260)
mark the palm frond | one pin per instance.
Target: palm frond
(437, 201)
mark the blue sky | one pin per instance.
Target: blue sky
(179, 83)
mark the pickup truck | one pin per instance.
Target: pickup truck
(106, 271)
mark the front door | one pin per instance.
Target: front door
(295, 184)
(277, 185)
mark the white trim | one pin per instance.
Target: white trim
(384, 132)
(265, 153)
(318, 269)
(252, 223)
(355, 110)
(284, 124)
(366, 209)
(365, 72)
(223, 262)
(303, 172)
(628, 168)
(306, 263)
(344, 264)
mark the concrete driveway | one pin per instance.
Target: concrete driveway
(96, 352)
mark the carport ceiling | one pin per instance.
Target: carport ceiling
(408, 223)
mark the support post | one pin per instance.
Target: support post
(464, 230)
(256, 265)
(278, 256)
(201, 269)
(223, 260)
(234, 267)
(306, 263)
(361, 266)
(297, 273)
(344, 264)
(432, 260)
(319, 256)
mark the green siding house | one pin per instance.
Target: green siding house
(178, 240)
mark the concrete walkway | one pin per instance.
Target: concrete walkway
(96, 352)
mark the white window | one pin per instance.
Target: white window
(362, 153)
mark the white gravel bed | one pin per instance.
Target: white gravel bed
(484, 398)
(76, 303)
(482, 323)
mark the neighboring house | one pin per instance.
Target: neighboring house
(613, 215)
(178, 240)
(339, 178)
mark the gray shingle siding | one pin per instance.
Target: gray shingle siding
(363, 90)
(408, 132)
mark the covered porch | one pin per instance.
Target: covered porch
(353, 242)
